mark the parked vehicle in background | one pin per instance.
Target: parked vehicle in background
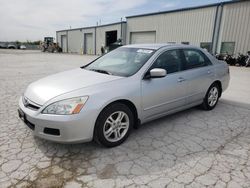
(248, 59)
(220, 57)
(115, 45)
(14, 45)
(230, 59)
(22, 47)
(3, 45)
(11, 46)
(112, 46)
(133, 84)
(49, 45)
(241, 60)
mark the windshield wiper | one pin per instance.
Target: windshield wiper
(101, 71)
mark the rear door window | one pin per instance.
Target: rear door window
(195, 58)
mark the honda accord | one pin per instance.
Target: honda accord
(105, 99)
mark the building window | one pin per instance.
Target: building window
(227, 47)
(207, 46)
(187, 43)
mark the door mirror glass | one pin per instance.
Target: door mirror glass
(158, 73)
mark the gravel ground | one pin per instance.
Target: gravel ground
(192, 148)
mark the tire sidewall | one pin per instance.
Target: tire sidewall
(98, 132)
(205, 102)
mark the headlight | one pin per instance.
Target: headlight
(66, 107)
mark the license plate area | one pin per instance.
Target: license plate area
(23, 117)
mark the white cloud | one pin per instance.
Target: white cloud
(34, 19)
(170, 4)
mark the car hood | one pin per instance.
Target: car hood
(49, 87)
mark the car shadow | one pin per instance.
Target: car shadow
(157, 146)
(236, 103)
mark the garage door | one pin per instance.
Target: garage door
(142, 37)
(64, 43)
(88, 41)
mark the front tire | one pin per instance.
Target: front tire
(113, 125)
(212, 97)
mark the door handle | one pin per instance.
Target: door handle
(208, 72)
(181, 79)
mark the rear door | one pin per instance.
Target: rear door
(198, 74)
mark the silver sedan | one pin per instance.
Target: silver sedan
(131, 85)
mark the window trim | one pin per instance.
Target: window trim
(183, 57)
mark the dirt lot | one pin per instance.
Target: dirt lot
(193, 148)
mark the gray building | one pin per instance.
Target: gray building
(221, 27)
(189, 26)
(88, 40)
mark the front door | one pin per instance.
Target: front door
(161, 95)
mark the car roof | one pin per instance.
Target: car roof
(156, 46)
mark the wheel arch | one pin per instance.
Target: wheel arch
(129, 104)
(218, 82)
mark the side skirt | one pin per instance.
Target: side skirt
(171, 112)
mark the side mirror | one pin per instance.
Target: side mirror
(156, 73)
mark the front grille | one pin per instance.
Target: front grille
(31, 105)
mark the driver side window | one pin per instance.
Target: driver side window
(170, 61)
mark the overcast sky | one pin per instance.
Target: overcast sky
(33, 19)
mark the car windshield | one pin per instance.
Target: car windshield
(121, 62)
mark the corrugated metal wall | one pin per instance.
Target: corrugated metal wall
(235, 26)
(101, 34)
(192, 26)
(76, 39)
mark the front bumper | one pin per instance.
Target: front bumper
(60, 128)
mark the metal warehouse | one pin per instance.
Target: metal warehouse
(221, 27)
(88, 40)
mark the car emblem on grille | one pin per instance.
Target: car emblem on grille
(25, 102)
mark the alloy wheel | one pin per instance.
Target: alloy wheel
(213, 96)
(116, 126)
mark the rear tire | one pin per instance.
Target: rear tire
(212, 97)
(113, 125)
